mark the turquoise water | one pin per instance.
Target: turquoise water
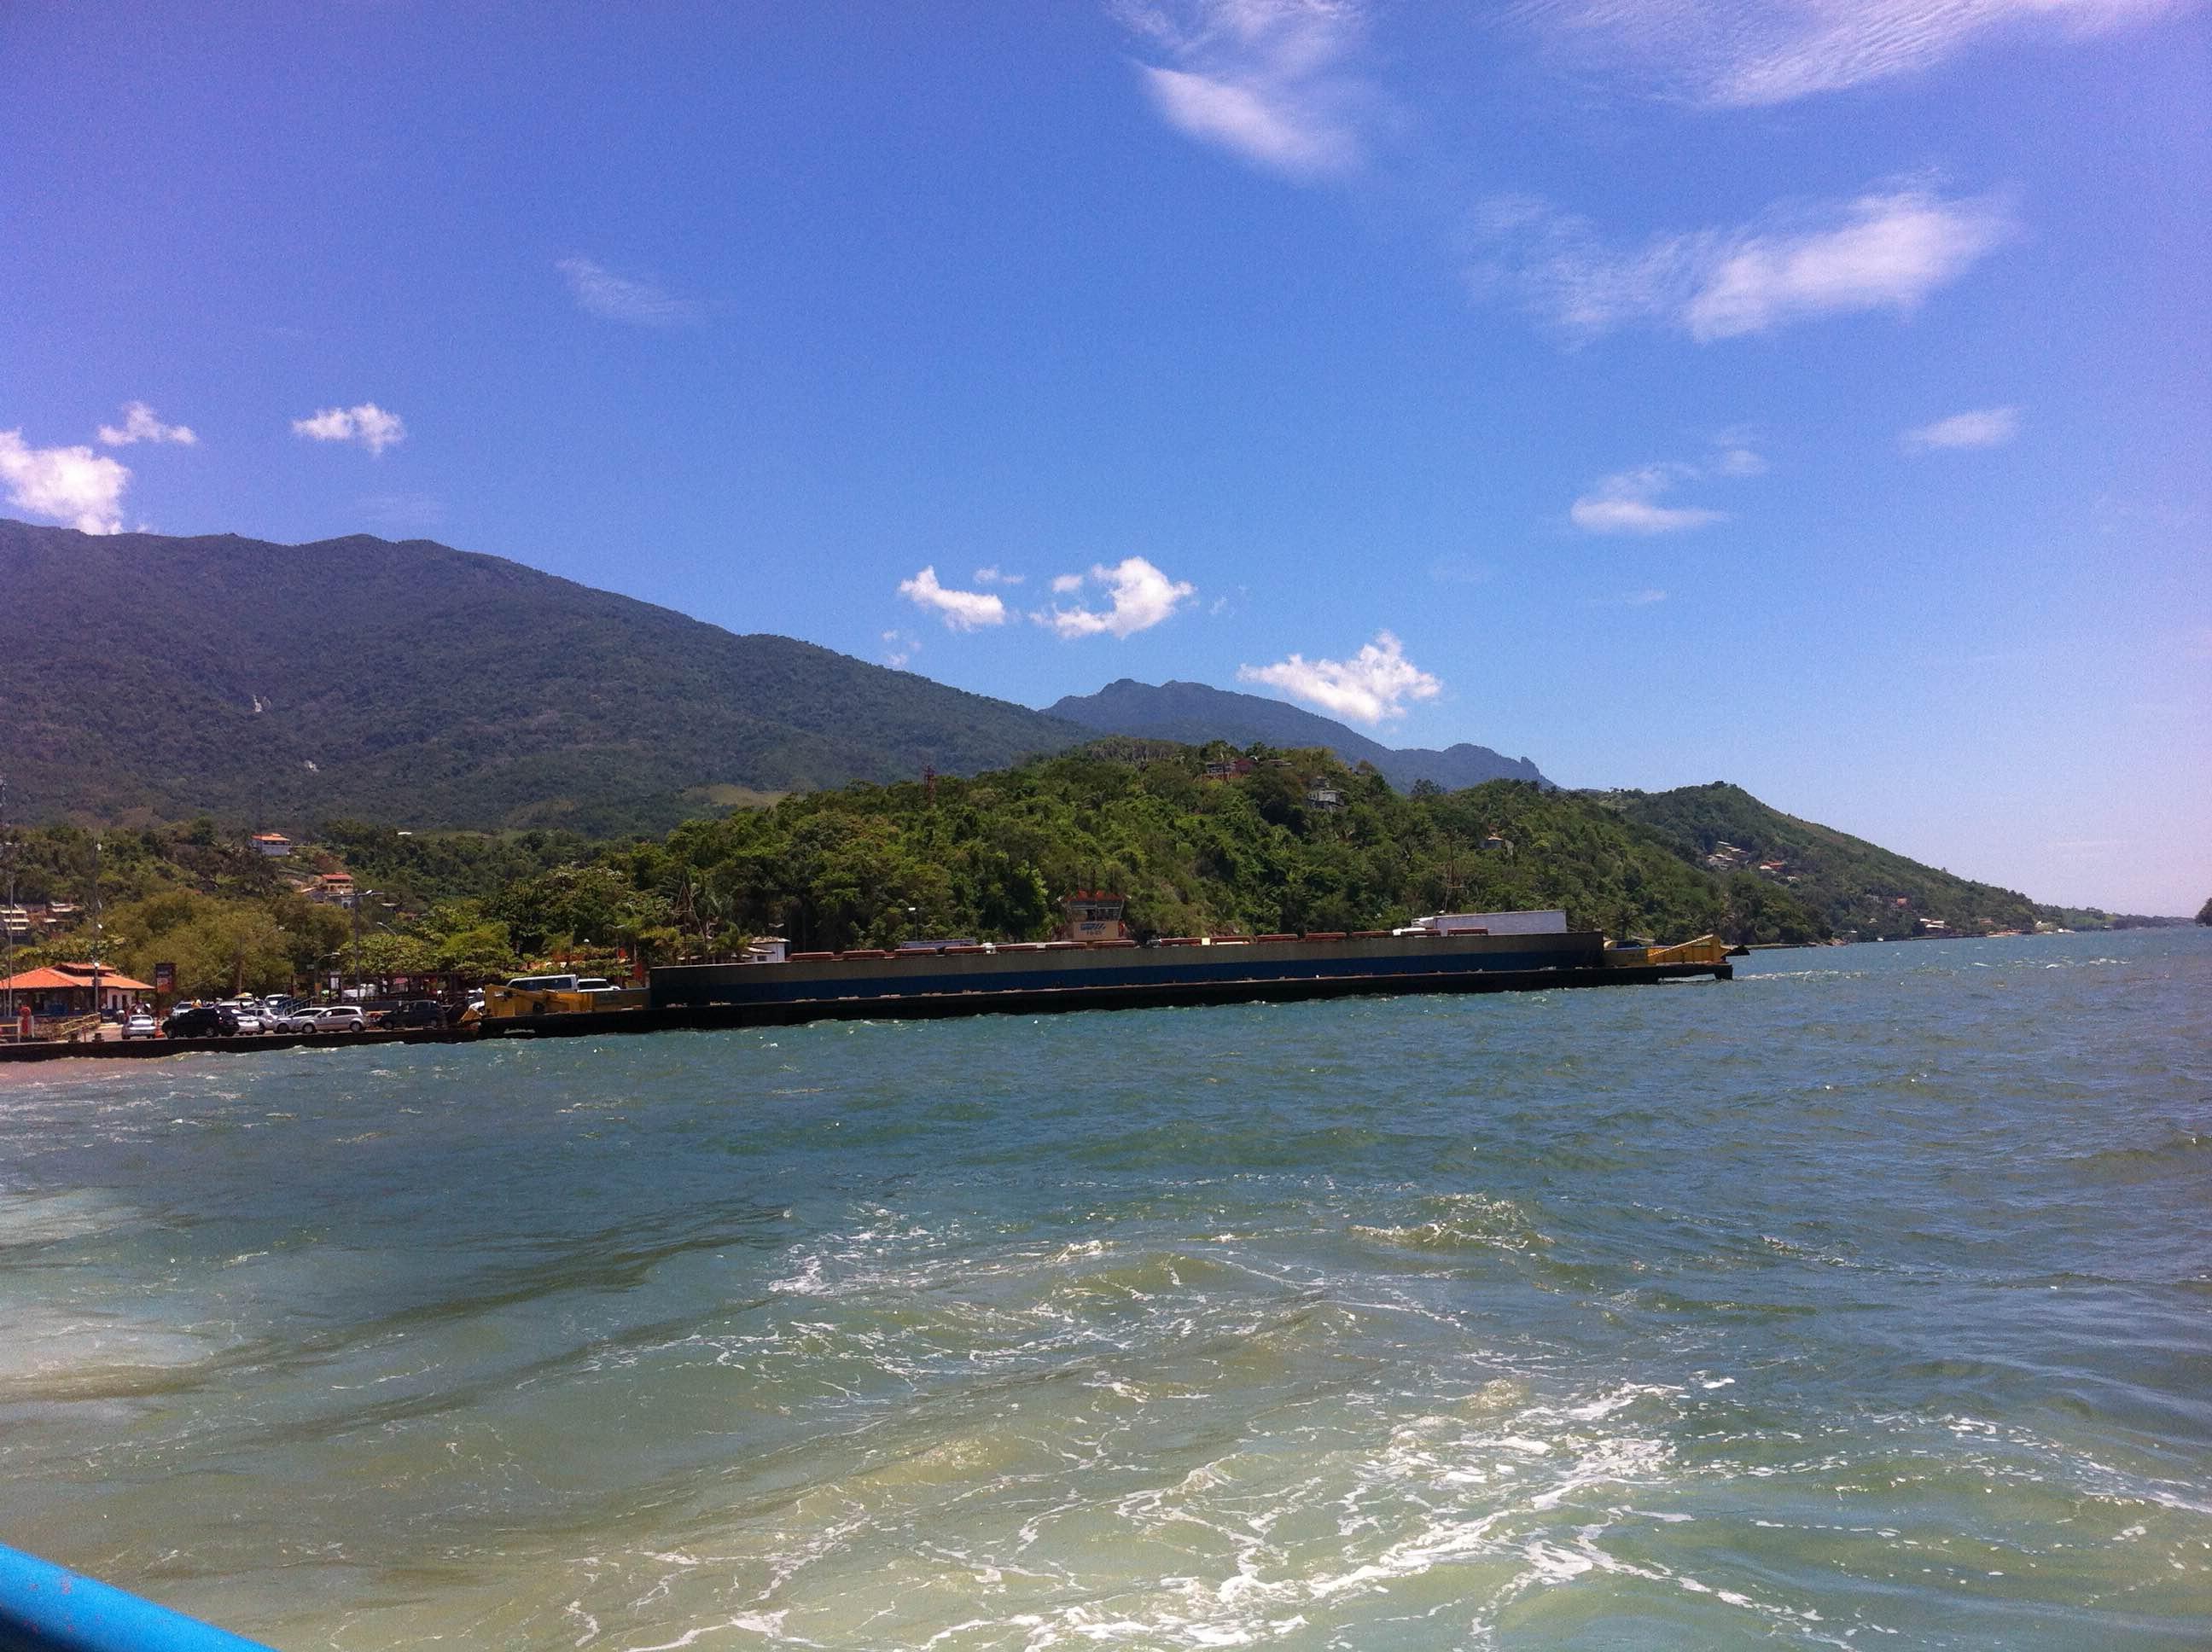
(1860, 1302)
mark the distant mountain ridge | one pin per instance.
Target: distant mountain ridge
(414, 684)
(1194, 714)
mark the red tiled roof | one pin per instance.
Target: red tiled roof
(72, 975)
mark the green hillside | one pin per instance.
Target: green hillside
(150, 678)
(1854, 887)
(1301, 843)
(990, 855)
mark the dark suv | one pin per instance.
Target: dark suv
(201, 1020)
(416, 1012)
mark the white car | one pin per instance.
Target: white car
(142, 1025)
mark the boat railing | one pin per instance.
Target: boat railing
(48, 1608)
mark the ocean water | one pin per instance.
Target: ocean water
(1863, 1300)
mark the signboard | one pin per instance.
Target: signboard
(165, 977)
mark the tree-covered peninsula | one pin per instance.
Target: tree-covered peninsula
(1202, 840)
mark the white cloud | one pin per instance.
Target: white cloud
(366, 423)
(1643, 598)
(1064, 584)
(621, 297)
(903, 646)
(1882, 251)
(993, 575)
(1265, 79)
(1988, 427)
(139, 424)
(1628, 503)
(1374, 685)
(961, 610)
(69, 484)
(1142, 597)
(1755, 53)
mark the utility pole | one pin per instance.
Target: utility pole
(96, 930)
(358, 894)
(8, 923)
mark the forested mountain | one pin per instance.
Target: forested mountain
(1300, 843)
(1194, 714)
(148, 676)
(1856, 887)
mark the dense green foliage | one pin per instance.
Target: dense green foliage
(149, 678)
(991, 856)
(418, 869)
(1855, 888)
(219, 912)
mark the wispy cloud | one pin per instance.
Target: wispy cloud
(611, 297)
(1141, 597)
(1265, 79)
(995, 575)
(1988, 427)
(367, 424)
(961, 610)
(1064, 584)
(139, 424)
(1883, 250)
(1628, 501)
(900, 647)
(1641, 599)
(73, 485)
(1755, 53)
(1373, 685)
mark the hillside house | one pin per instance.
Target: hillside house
(333, 888)
(274, 845)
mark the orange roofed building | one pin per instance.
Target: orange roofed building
(65, 989)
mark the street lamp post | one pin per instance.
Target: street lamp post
(7, 922)
(95, 932)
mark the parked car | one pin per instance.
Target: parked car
(249, 1019)
(200, 1021)
(416, 1012)
(324, 1017)
(142, 1025)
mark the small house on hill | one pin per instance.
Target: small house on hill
(333, 888)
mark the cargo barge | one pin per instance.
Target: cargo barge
(1448, 953)
(1096, 966)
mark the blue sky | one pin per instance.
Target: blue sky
(1807, 395)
